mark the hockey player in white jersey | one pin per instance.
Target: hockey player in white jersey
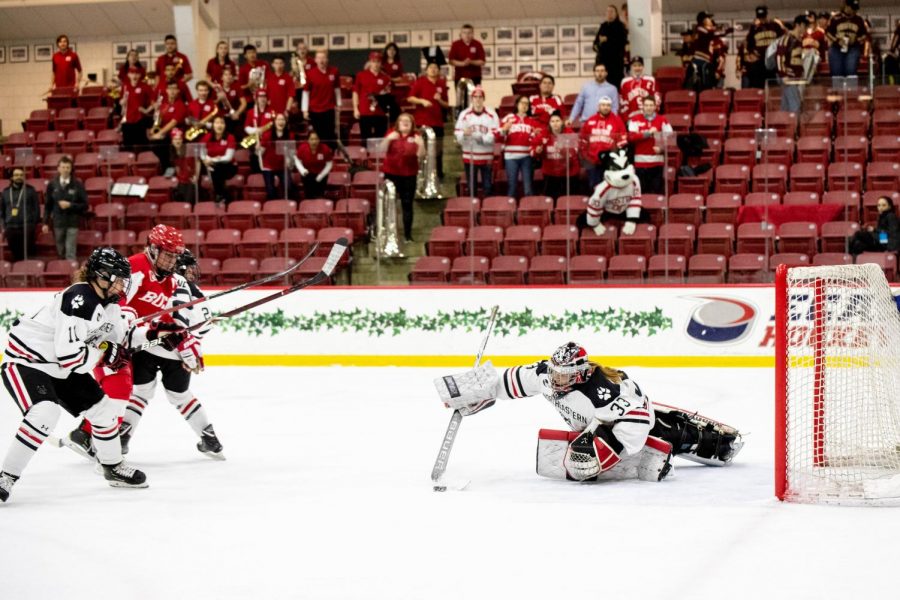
(615, 430)
(48, 361)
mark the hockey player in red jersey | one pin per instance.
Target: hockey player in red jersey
(616, 432)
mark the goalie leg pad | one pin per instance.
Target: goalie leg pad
(652, 463)
(656, 460)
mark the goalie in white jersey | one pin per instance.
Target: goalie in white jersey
(615, 430)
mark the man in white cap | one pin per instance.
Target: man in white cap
(476, 129)
(603, 132)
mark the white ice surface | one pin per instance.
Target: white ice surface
(326, 495)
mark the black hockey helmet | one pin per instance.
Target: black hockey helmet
(187, 266)
(107, 264)
(568, 366)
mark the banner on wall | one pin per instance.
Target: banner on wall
(640, 326)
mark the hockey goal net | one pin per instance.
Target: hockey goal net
(837, 429)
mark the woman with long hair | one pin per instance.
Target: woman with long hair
(520, 131)
(555, 156)
(272, 161)
(219, 63)
(403, 148)
(392, 65)
(187, 168)
(131, 60)
(314, 161)
(217, 156)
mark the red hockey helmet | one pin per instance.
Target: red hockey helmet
(568, 366)
(166, 238)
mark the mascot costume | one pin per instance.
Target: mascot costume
(617, 197)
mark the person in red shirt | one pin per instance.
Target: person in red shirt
(217, 156)
(187, 169)
(601, 133)
(233, 102)
(467, 56)
(322, 97)
(392, 64)
(429, 95)
(272, 160)
(136, 107)
(280, 87)
(183, 71)
(645, 132)
(172, 113)
(314, 162)
(67, 71)
(253, 72)
(519, 131)
(369, 86)
(184, 92)
(545, 102)
(202, 106)
(403, 149)
(131, 60)
(557, 156)
(218, 63)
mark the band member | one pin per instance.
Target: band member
(184, 92)
(253, 72)
(260, 116)
(391, 63)
(217, 156)
(187, 169)
(429, 95)
(136, 108)
(369, 85)
(467, 56)
(545, 102)
(67, 71)
(403, 149)
(635, 88)
(314, 162)
(307, 58)
(183, 71)
(273, 161)
(219, 63)
(233, 102)
(202, 106)
(280, 87)
(132, 60)
(172, 113)
(322, 97)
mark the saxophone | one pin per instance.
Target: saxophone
(386, 244)
(427, 185)
(157, 117)
(253, 139)
(199, 128)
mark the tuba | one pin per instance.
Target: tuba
(427, 185)
(464, 89)
(386, 244)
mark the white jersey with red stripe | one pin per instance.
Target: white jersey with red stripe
(622, 405)
(483, 128)
(645, 148)
(632, 93)
(62, 337)
(616, 200)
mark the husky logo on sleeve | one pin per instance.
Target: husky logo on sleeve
(77, 302)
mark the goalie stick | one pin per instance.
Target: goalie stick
(440, 464)
(243, 286)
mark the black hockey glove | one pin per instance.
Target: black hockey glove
(115, 356)
(170, 335)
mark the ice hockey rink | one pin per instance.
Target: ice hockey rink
(326, 495)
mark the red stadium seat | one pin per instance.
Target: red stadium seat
(277, 214)
(107, 137)
(669, 78)
(30, 163)
(87, 165)
(271, 265)
(568, 209)
(756, 238)
(686, 208)
(835, 235)
(852, 122)
(722, 208)
(883, 176)
(296, 242)
(641, 242)
(669, 268)
(710, 125)
(235, 271)
(680, 101)
(747, 268)
(559, 240)
(97, 189)
(676, 238)
(791, 259)
(484, 240)
(740, 151)
(258, 243)
(851, 148)
(462, 211)
(206, 216)
(314, 214)
(446, 241)
(870, 204)
(887, 96)
(681, 122)
(26, 273)
(744, 124)
(845, 176)
(535, 210)
(817, 124)
(327, 236)
(780, 151)
(18, 139)
(311, 267)
(547, 270)
(770, 178)
(45, 245)
(814, 149)
(469, 270)
(39, 120)
(785, 123)
(707, 268)
(338, 186)
(886, 148)
(241, 214)
(715, 100)
(522, 240)
(193, 239)
(49, 166)
(221, 243)
(508, 270)
(626, 269)
(715, 238)
(886, 260)
(733, 179)
(141, 215)
(430, 270)
(58, 273)
(886, 122)
(748, 100)
(798, 237)
(498, 210)
(800, 199)
(160, 189)
(352, 213)
(655, 207)
(808, 177)
(831, 258)
(122, 240)
(599, 245)
(48, 142)
(108, 216)
(97, 118)
(146, 164)
(68, 119)
(255, 189)
(87, 241)
(364, 185)
(587, 269)
(119, 165)
(698, 184)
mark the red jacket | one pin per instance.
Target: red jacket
(543, 108)
(644, 154)
(600, 134)
(554, 164)
(402, 156)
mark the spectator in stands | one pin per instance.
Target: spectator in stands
(66, 202)
(217, 156)
(172, 56)
(467, 56)
(187, 169)
(302, 51)
(892, 58)
(392, 64)
(280, 86)
(814, 36)
(136, 101)
(259, 120)
(556, 153)
(218, 63)
(609, 44)
(322, 97)
(601, 133)
(272, 160)
(706, 54)
(883, 237)
(314, 162)
(635, 88)
(686, 52)
(789, 61)
(476, 128)
(847, 33)
(647, 132)
(19, 214)
(132, 61)
(368, 86)
(545, 102)
(254, 72)
(233, 102)
(170, 114)
(762, 33)
(66, 66)
(520, 132)
(430, 97)
(201, 107)
(589, 96)
(184, 92)
(403, 149)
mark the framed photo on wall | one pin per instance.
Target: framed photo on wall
(587, 68)
(318, 41)
(43, 52)
(401, 38)
(2, 54)
(504, 34)
(278, 43)
(159, 48)
(674, 28)
(421, 38)
(440, 37)
(526, 52)
(489, 53)
(524, 67)
(547, 51)
(235, 45)
(568, 33)
(879, 23)
(487, 72)
(550, 68)
(546, 33)
(142, 48)
(568, 51)
(485, 35)
(338, 41)
(589, 32)
(504, 53)
(587, 51)
(568, 68)
(505, 71)
(296, 39)
(120, 49)
(359, 40)
(378, 39)
(261, 42)
(526, 35)
(18, 54)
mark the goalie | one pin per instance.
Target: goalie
(616, 432)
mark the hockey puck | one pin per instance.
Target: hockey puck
(440, 488)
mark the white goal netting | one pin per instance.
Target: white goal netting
(842, 388)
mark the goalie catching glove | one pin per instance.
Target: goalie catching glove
(592, 452)
(471, 391)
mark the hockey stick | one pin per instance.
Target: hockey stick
(337, 251)
(243, 286)
(440, 464)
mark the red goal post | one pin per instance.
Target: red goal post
(837, 386)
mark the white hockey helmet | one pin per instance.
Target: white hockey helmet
(568, 366)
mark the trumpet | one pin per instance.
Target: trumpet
(199, 128)
(253, 139)
(386, 244)
(298, 70)
(427, 185)
(222, 98)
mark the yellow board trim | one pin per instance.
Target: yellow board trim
(463, 361)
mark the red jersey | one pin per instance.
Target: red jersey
(64, 66)
(184, 92)
(314, 162)
(632, 93)
(280, 88)
(367, 86)
(244, 73)
(147, 293)
(645, 148)
(815, 40)
(181, 62)
(543, 108)
(461, 51)
(393, 69)
(520, 137)
(214, 68)
(554, 163)
(134, 98)
(425, 89)
(216, 148)
(234, 94)
(173, 111)
(600, 134)
(198, 110)
(258, 119)
(185, 167)
(320, 86)
(402, 156)
(271, 159)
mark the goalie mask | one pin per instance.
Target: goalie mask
(618, 170)
(568, 367)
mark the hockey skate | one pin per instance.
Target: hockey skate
(6, 483)
(79, 441)
(209, 444)
(124, 436)
(122, 475)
